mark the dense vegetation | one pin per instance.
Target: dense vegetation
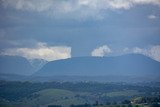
(78, 94)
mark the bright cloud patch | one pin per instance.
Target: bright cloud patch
(101, 51)
(74, 8)
(152, 17)
(41, 51)
(152, 52)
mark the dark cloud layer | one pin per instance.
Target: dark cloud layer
(82, 25)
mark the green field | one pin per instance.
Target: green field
(123, 93)
(63, 97)
(17, 94)
(54, 96)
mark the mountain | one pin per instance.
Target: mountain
(131, 65)
(15, 65)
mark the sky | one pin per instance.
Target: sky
(59, 29)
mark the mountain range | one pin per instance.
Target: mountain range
(125, 67)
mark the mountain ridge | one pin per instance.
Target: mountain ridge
(125, 65)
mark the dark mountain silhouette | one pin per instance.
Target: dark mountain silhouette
(132, 65)
(15, 65)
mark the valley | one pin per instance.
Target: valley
(67, 94)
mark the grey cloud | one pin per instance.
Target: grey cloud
(76, 9)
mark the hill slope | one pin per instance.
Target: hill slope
(15, 65)
(125, 65)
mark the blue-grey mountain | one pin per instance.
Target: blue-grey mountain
(15, 65)
(132, 65)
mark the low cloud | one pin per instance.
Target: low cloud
(77, 9)
(101, 51)
(41, 51)
(152, 51)
(152, 17)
